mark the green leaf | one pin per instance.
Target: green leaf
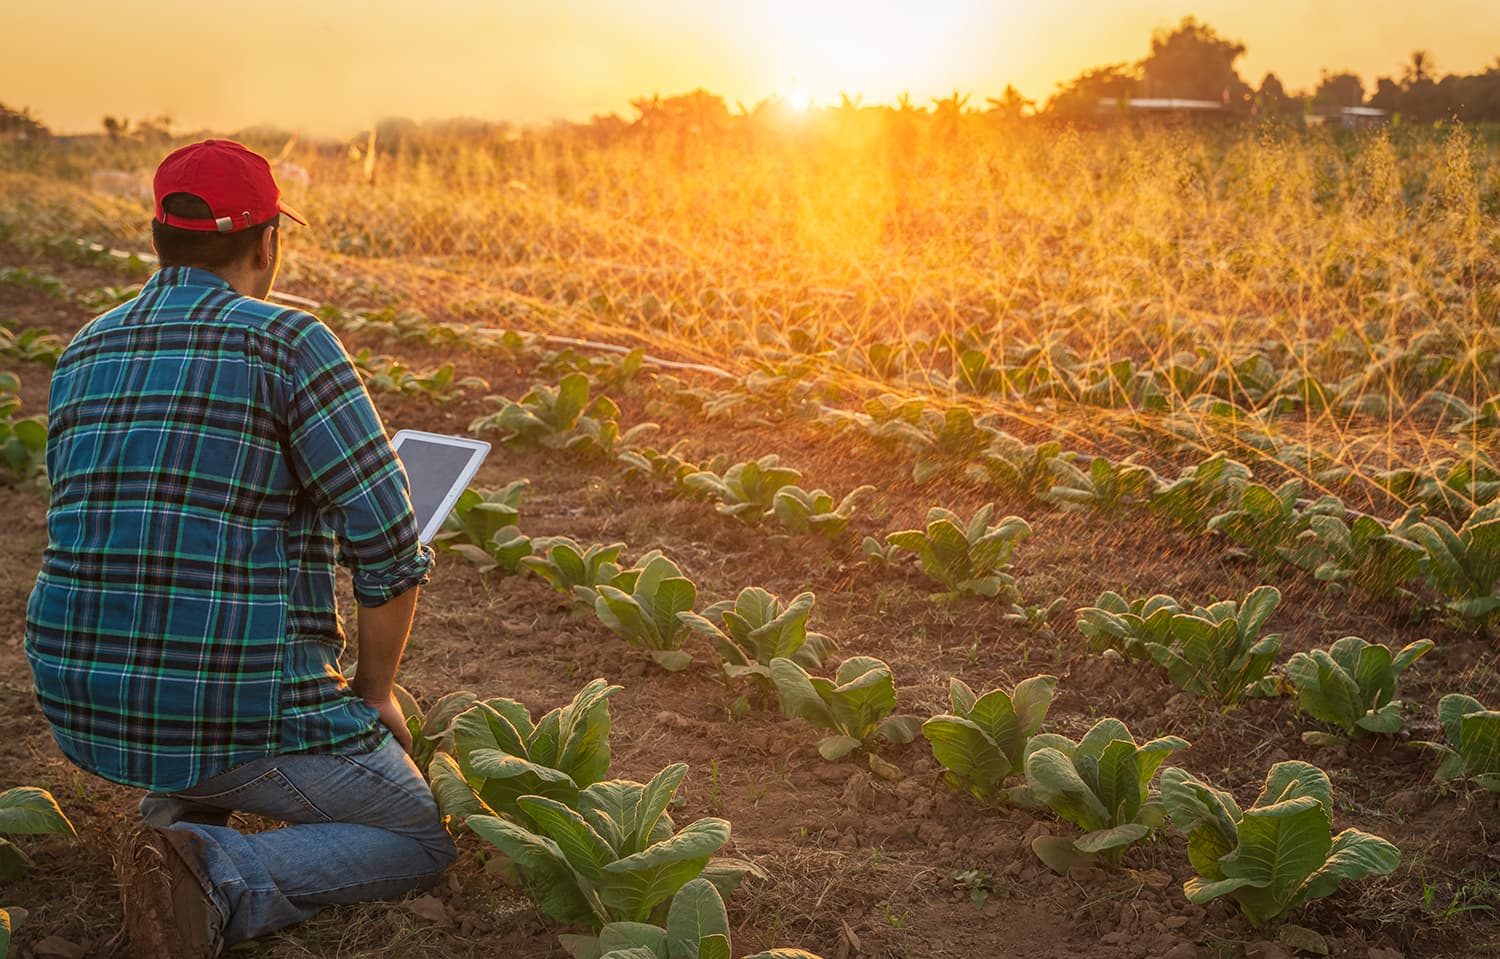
(13, 861)
(28, 810)
(586, 851)
(544, 870)
(962, 748)
(1279, 846)
(1354, 855)
(1055, 780)
(799, 697)
(696, 912)
(633, 885)
(834, 748)
(652, 804)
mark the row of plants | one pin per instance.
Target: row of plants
(386, 374)
(1221, 652)
(1322, 537)
(595, 852)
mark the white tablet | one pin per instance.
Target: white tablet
(439, 468)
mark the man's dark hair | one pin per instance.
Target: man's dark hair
(202, 248)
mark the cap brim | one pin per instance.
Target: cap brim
(287, 210)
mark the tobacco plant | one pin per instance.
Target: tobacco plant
(1366, 553)
(562, 417)
(1108, 487)
(571, 568)
(1102, 784)
(642, 605)
(1464, 564)
(23, 440)
(758, 628)
(1472, 750)
(1021, 469)
(1128, 628)
(24, 810)
(800, 511)
(855, 706)
(697, 927)
(746, 491)
(499, 755)
(482, 528)
(1218, 650)
(1351, 685)
(982, 742)
(966, 558)
(1200, 491)
(431, 729)
(616, 856)
(1277, 854)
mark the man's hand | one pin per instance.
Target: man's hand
(395, 720)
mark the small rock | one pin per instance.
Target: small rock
(1385, 952)
(56, 947)
(1266, 950)
(830, 773)
(515, 627)
(1174, 922)
(1183, 950)
(1154, 879)
(430, 908)
(672, 720)
(921, 808)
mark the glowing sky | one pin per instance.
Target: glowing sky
(334, 66)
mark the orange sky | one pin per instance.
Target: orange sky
(334, 66)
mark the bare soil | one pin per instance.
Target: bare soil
(858, 865)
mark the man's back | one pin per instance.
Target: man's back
(204, 447)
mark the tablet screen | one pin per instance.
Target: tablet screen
(439, 467)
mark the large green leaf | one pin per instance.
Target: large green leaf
(1209, 817)
(632, 886)
(29, 810)
(799, 697)
(1056, 782)
(650, 806)
(1354, 855)
(860, 701)
(455, 797)
(1280, 845)
(13, 862)
(1481, 743)
(1119, 789)
(549, 879)
(622, 936)
(696, 913)
(587, 851)
(972, 758)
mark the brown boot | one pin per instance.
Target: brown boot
(164, 895)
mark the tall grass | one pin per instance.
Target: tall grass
(1329, 251)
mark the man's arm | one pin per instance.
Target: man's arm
(382, 636)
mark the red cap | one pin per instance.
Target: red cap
(234, 181)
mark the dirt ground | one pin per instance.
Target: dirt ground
(857, 865)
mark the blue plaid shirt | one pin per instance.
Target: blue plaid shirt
(211, 457)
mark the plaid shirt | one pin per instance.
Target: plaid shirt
(211, 455)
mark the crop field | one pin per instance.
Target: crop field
(1032, 541)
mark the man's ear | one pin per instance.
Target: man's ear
(265, 250)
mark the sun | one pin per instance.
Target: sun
(798, 100)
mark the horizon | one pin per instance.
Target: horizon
(464, 59)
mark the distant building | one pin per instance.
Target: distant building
(1348, 117)
(1163, 107)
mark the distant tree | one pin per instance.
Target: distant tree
(1388, 95)
(1338, 90)
(21, 125)
(1010, 106)
(1193, 62)
(947, 112)
(116, 127)
(1272, 101)
(1079, 99)
(1419, 68)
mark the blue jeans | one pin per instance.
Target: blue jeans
(365, 827)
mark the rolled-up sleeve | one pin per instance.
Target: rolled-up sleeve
(346, 465)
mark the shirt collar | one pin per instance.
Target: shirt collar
(185, 276)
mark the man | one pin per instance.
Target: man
(211, 455)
